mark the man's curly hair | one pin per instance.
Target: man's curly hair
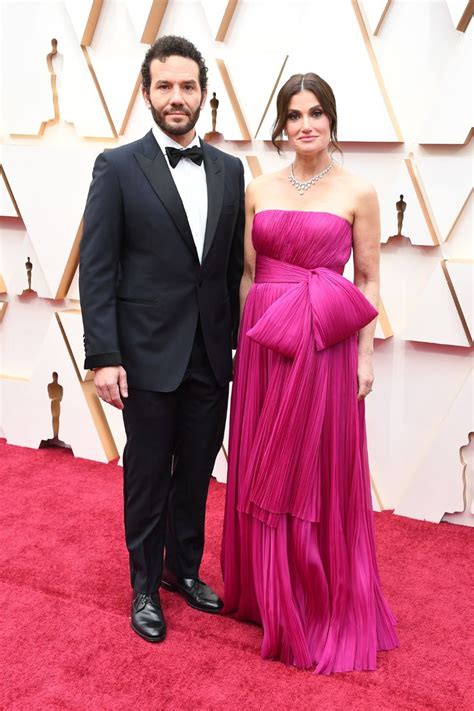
(171, 45)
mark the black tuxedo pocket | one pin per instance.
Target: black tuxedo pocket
(141, 325)
(139, 316)
(138, 301)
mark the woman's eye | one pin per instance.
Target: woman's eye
(317, 113)
(292, 117)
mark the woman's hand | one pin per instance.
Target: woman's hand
(365, 375)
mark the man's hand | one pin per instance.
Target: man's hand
(111, 383)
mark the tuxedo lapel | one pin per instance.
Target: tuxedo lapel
(214, 166)
(154, 165)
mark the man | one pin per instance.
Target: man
(161, 261)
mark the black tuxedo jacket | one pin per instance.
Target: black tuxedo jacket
(141, 283)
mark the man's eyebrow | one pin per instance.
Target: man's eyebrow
(184, 81)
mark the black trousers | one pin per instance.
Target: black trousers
(172, 443)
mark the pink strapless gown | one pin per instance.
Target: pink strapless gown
(298, 552)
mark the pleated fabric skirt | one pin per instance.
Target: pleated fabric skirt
(306, 571)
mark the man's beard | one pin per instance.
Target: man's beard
(175, 130)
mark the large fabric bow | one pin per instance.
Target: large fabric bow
(337, 308)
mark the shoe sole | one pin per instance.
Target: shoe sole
(145, 636)
(173, 588)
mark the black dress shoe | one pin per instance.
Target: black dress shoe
(147, 617)
(196, 593)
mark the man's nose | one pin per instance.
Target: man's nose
(176, 97)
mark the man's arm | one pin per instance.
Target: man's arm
(99, 263)
(236, 260)
(98, 270)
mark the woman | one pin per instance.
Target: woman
(298, 551)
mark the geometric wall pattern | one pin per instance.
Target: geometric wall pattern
(402, 75)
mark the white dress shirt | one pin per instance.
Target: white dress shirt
(190, 181)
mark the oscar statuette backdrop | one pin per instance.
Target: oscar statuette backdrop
(401, 71)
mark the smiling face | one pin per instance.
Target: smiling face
(175, 98)
(307, 126)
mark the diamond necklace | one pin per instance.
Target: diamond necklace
(303, 185)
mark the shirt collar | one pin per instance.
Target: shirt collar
(164, 141)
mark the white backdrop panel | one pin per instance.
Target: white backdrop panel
(437, 486)
(460, 243)
(27, 407)
(450, 110)
(23, 337)
(15, 261)
(404, 270)
(433, 317)
(79, 11)
(447, 175)
(415, 44)
(413, 390)
(50, 184)
(116, 55)
(7, 207)
(28, 28)
(356, 121)
(12, 236)
(138, 11)
(462, 277)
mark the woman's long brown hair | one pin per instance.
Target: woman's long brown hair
(323, 93)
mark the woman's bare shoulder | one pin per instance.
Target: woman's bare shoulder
(358, 186)
(259, 186)
(261, 182)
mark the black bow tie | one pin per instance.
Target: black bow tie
(175, 154)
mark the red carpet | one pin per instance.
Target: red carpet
(65, 636)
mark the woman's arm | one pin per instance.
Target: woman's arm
(236, 259)
(248, 275)
(366, 242)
